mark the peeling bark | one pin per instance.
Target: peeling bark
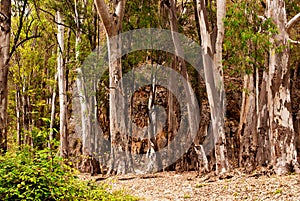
(263, 150)
(214, 79)
(248, 120)
(282, 135)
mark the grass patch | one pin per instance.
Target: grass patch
(200, 185)
(186, 196)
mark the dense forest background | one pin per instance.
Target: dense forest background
(255, 47)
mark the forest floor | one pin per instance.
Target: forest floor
(189, 186)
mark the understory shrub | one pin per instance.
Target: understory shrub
(39, 175)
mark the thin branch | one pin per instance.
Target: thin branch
(27, 39)
(294, 41)
(263, 18)
(28, 27)
(21, 42)
(20, 27)
(53, 20)
(293, 21)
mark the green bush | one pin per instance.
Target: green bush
(36, 175)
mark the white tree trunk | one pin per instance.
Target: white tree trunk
(18, 112)
(118, 131)
(52, 118)
(84, 100)
(214, 79)
(152, 165)
(221, 151)
(61, 88)
(120, 161)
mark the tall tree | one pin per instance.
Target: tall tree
(211, 41)
(179, 65)
(120, 162)
(85, 123)
(266, 102)
(253, 149)
(281, 129)
(5, 24)
(88, 108)
(62, 88)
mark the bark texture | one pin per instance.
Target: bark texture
(282, 135)
(214, 78)
(5, 24)
(62, 88)
(120, 160)
(248, 121)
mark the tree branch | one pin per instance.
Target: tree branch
(293, 21)
(120, 11)
(21, 42)
(263, 18)
(57, 23)
(294, 41)
(26, 39)
(104, 14)
(20, 27)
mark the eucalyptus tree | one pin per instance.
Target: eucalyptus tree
(62, 87)
(261, 48)
(211, 42)
(245, 57)
(281, 129)
(119, 162)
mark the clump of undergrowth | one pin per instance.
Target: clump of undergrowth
(39, 175)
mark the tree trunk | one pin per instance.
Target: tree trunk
(61, 88)
(118, 131)
(263, 150)
(248, 121)
(220, 149)
(282, 134)
(152, 157)
(85, 110)
(214, 79)
(180, 66)
(26, 116)
(18, 116)
(5, 25)
(52, 118)
(120, 161)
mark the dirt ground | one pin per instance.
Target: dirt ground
(189, 186)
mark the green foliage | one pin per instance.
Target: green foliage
(247, 37)
(38, 175)
(141, 14)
